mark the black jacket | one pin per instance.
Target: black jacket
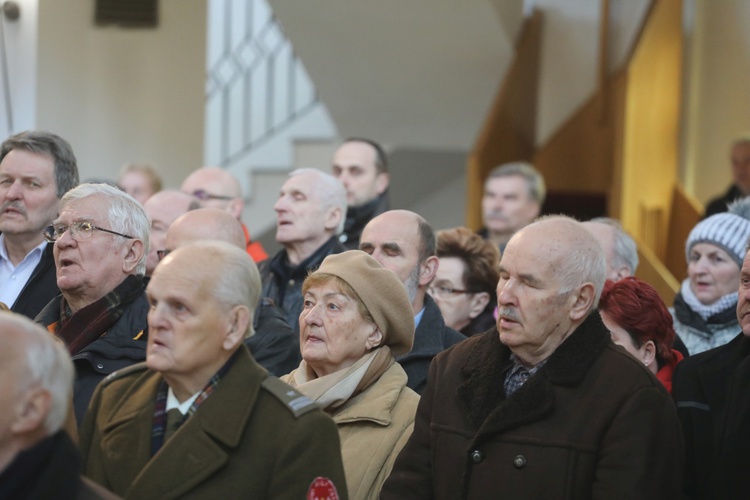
(711, 391)
(41, 287)
(358, 217)
(283, 284)
(123, 345)
(274, 346)
(431, 337)
(720, 203)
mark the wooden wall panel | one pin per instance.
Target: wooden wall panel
(509, 131)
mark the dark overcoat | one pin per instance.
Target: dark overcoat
(247, 440)
(712, 393)
(591, 423)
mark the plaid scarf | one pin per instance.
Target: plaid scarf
(160, 408)
(85, 326)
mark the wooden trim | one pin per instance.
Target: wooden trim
(639, 35)
(509, 130)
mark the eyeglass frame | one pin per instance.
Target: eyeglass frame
(204, 195)
(49, 231)
(452, 292)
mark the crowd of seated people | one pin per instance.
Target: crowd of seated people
(371, 357)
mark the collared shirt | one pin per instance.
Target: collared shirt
(518, 375)
(173, 402)
(418, 317)
(14, 278)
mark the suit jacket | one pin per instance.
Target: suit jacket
(254, 437)
(591, 423)
(711, 391)
(431, 337)
(40, 288)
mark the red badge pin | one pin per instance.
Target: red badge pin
(322, 488)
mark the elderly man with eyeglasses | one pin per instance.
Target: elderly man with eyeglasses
(101, 239)
(217, 188)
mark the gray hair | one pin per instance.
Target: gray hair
(237, 279)
(39, 142)
(46, 364)
(125, 214)
(330, 191)
(534, 180)
(626, 251)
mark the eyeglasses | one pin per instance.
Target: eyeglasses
(204, 195)
(81, 230)
(162, 253)
(445, 292)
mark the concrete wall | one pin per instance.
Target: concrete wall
(121, 95)
(717, 105)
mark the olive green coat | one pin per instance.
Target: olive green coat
(254, 437)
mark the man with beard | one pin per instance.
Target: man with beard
(545, 405)
(513, 197)
(36, 169)
(405, 243)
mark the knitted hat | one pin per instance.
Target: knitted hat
(382, 293)
(729, 231)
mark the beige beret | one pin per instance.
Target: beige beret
(382, 293)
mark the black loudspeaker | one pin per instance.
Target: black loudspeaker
(127, 13)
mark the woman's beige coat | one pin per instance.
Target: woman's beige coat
(373, 427)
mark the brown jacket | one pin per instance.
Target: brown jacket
(252, 438)
(592, 423)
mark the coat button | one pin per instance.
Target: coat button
(519, 462)
(476, 456)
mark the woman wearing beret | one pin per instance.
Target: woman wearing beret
(356, 318)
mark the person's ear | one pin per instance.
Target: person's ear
(428, 269)
(133, 255)
(333, 218)
(381, 182)
(581, 301)
(478, 303)
(374, 339)
(33, 408)
(648, 353)
(235, 207)
(238, 323)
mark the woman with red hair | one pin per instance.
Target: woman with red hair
(639, 321)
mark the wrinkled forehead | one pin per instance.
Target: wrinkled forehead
(90, 208)
(392, 229)
(509, 184)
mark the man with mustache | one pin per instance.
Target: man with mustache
(36, 169)
(545, 405)
(405, 243)
(710, 390)
(513, 197)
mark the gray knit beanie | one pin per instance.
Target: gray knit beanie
(382, 293)
(729, 231)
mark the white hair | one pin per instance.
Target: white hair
(330, 191)
(45, 364)
(626, 251)
(125, 214)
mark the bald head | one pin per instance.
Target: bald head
(403, 242)
(551, 276)
(567, 248)
(205, 224)
(163, 208)
(216, 188)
